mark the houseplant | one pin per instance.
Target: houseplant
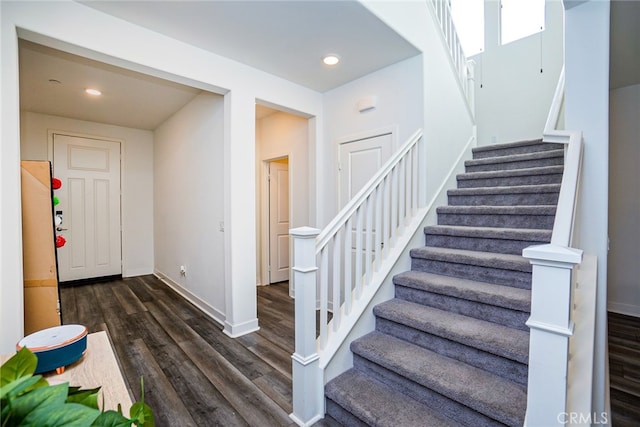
(28, 399)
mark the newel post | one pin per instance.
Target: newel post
(308, 387)
(550, 327)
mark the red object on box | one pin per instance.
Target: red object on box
(56, 183)
(60, 241)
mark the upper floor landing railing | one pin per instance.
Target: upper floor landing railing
(463, 68)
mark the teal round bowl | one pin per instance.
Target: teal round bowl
(56, 347)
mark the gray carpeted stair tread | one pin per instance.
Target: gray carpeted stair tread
(378, 405)
(516, 158)
(499, 210)
(487, 293)
(514, 189)
(491, 395)
(529, 217)
(542, 170)
(490, 337)
(530, 234)
(527, 146)
(543, 194)
(516, 161)
(482, 259)
(489, 239)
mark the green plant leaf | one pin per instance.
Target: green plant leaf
(111, 419)
(84, 397)
(47, 398)
(142, 414)
(21, 364)
(64, 415)
(21, 385)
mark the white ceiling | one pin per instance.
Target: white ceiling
(128, 98)
(284, 38)
(257, 33)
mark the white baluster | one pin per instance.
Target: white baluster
(337, 257)
(358, 237)
(379, 238)
(347, 254)
(324, 295)
(368, 261)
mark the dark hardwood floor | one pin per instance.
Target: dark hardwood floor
(194, 374)
(624, 369)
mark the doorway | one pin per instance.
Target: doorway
(279, 220)
(89, 206)
(282, 160)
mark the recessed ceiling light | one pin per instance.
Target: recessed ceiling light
(94, 92)
(331, 59)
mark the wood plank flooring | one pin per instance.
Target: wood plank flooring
(194, 374)
(624, 369)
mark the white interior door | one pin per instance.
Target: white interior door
(90, 206)
(359, 160)
(278, 221)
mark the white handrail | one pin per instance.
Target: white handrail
(563, 224)
(556, 105)
(565, 212)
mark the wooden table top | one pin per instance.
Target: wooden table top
(98, 367)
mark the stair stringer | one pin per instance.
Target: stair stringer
(338, 356)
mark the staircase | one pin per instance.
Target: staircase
(452, 347)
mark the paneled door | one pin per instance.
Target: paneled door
(359, 160)
(278, 221)
(89, 205)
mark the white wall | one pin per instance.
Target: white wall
(398, 89)
(512, 96)
(137, 178)
(624, 201)
(81, 30)
(279, 135)
(587, 109)
(189, 201)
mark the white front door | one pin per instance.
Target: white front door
(89, 202)
(278, 221)
(359, 160)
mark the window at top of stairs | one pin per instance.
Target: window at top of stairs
(520, 18)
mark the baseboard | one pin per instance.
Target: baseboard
(133, 272)
(237, 330)
(207, 309)
(89, 281)
(621, 308)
